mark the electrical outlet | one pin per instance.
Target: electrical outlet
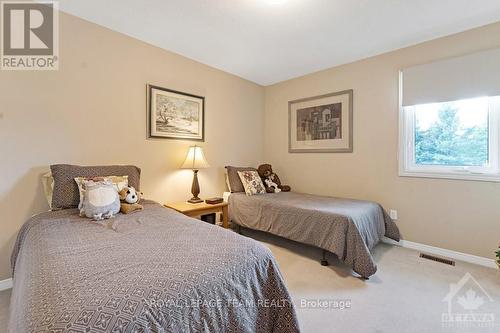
(393, 214)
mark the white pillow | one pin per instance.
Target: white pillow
(48, 187)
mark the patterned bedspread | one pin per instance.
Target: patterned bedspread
(349, 228)
(151, 271)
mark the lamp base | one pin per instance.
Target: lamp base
(195, 200)
(195, 189)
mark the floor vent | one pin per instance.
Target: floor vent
(441, 260)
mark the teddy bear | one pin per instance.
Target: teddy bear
(129, 198)
(266, 173)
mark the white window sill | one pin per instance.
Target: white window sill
(451, 175)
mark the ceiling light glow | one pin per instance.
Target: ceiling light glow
(275, 2)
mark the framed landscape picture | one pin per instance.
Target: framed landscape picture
(175, 115)
(321, 124)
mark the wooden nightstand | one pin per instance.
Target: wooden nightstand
(203, 208)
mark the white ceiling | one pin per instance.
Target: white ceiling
(266, 42)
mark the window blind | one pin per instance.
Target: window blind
(468, 76)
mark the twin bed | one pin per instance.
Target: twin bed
(346, 227)
(151, 271)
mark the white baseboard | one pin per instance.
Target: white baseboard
(5, 284)
(472, 259)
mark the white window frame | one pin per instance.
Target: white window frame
(406, 157)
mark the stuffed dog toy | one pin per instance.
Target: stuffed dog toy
(273, 185)
(129, 198)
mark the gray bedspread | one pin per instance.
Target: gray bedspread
(150, 271)
(349, 228)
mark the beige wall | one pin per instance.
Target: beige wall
(458, 215)
(93, 111)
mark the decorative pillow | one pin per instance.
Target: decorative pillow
(251, 182)
(233, 179)
(66, 193)
(48, 187)
(119, 182)
(100, 200)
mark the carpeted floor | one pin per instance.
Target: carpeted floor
(405, 295)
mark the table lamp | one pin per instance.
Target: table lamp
(195, 160)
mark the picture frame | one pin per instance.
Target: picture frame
(174, 114)
(321, 124)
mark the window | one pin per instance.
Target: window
(457, 139)
(446, 129)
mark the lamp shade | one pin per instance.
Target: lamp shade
(195, 159)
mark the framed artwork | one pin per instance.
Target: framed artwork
(321, 124)
(175, 115)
